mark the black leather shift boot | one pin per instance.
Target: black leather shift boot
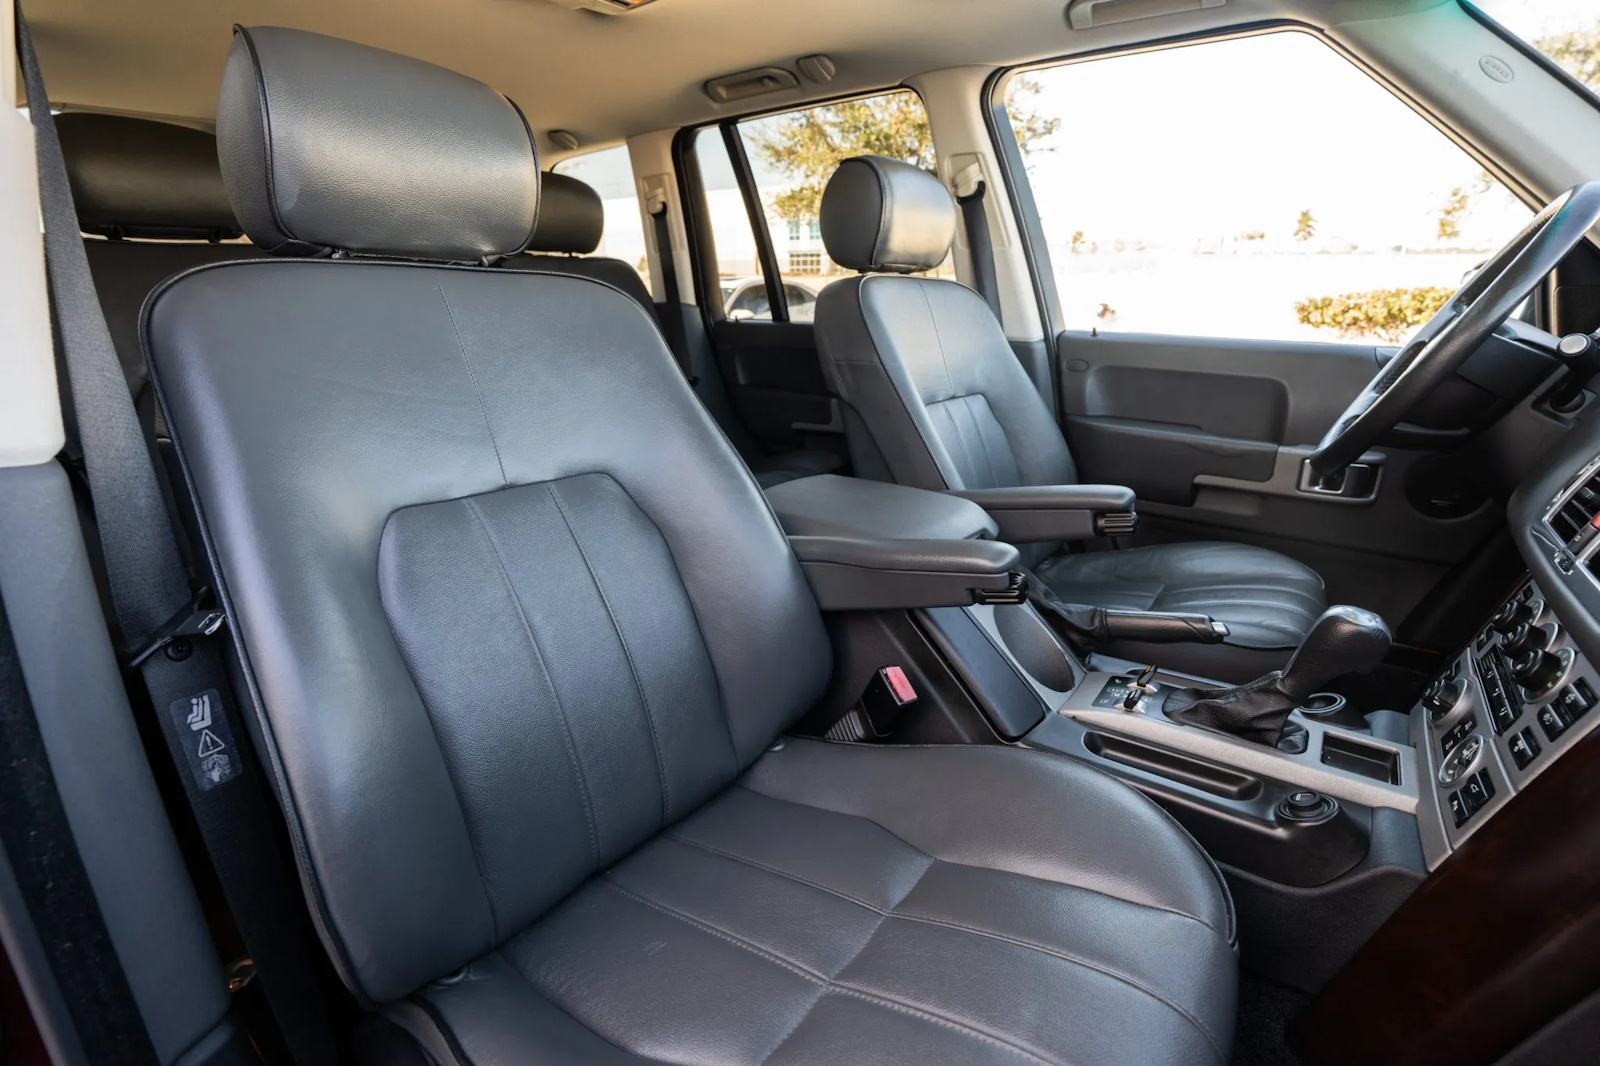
(1254, 712)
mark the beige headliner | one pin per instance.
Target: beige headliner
(602, 77)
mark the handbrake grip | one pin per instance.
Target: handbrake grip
(1161, 627)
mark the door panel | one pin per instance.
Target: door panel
(1212, 434)
(774, 380)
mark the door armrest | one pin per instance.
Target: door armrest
(859, 574)
(1031, 514)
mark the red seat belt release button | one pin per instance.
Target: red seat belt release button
(899, 685)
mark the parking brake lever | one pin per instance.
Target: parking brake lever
(1085, 627)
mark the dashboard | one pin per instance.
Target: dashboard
(1506, 708)
(1525, 689)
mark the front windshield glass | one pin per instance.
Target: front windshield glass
(1567, 31)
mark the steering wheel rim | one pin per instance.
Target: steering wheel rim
(1457, 330)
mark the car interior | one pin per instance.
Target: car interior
(675, 531)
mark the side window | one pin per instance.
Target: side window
(1261, 188)
(610, 173)
(742, 285)
(790, 157)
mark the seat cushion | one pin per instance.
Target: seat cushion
(1267, 600)
(848, 903)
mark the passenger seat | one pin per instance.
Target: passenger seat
(571, 223)
(521, 635)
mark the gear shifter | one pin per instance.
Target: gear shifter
(1344, 640)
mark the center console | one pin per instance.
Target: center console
(1501, 713)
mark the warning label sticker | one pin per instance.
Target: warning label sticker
(207, 741)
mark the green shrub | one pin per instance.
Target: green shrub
(1388, 314)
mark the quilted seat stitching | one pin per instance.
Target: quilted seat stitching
(952, 862)
(830, 985)
(893, 911)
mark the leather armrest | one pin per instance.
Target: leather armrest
(828, 505)
(857, 574)
(1031, 514)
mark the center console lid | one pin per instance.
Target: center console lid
(832, 506)
(1031, 514)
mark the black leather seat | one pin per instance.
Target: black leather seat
(154, 193)
(571, 223)
(935, 398)
(520, 633)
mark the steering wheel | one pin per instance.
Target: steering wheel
(1466, 320)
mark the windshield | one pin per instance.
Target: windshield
(1567, 31)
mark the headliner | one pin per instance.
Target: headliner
(603, 77)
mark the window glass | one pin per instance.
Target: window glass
(793, 154)
(1568, 31)
(1262, 187)
(743, 288)
(610, 173)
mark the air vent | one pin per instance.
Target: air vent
(1576, 509)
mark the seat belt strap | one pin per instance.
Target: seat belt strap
(182, 664)
(976, 220)
(673, 324)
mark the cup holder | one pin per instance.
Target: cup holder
(1322, 705)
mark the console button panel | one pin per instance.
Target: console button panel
(1517, 697)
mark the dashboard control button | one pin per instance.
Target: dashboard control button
(1511, 614)
(1525, 638)
(1585, 693)
(1478, 790)
(1572, 702)
(1458, 809)
(1552, 721)
(1442, 697)
(1538, 671)
(1524, 748)
(1457, 733)
(1459, 761)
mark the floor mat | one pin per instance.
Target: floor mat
(1265, 1009)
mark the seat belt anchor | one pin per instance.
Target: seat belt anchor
(191, 620)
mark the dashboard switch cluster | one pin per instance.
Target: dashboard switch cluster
(1470, 798)
(1505, 707)
(1570, 704)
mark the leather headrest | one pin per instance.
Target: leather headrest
(327, 145)
(133, 177)
(882, 214)
(571, 217)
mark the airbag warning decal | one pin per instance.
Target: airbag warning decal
(207, 740)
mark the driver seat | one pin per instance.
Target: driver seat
(934, 397)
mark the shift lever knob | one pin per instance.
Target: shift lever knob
(1344, 640)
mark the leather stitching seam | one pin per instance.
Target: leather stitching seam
(472, 375)
(538, 654)
(627, 653)
(893, 911)
(830, 985)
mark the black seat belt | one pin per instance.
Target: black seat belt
(676, 339)
(174, 633)
(981, 247)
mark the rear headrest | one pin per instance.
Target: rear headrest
(571, 218)
(882, 214)
(327, 145)
(133, 177)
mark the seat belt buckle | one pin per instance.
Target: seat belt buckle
(191, 620)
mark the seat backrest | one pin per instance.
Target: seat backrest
(152, 193)
(571, 222)
(936, 398)
(505, 601)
